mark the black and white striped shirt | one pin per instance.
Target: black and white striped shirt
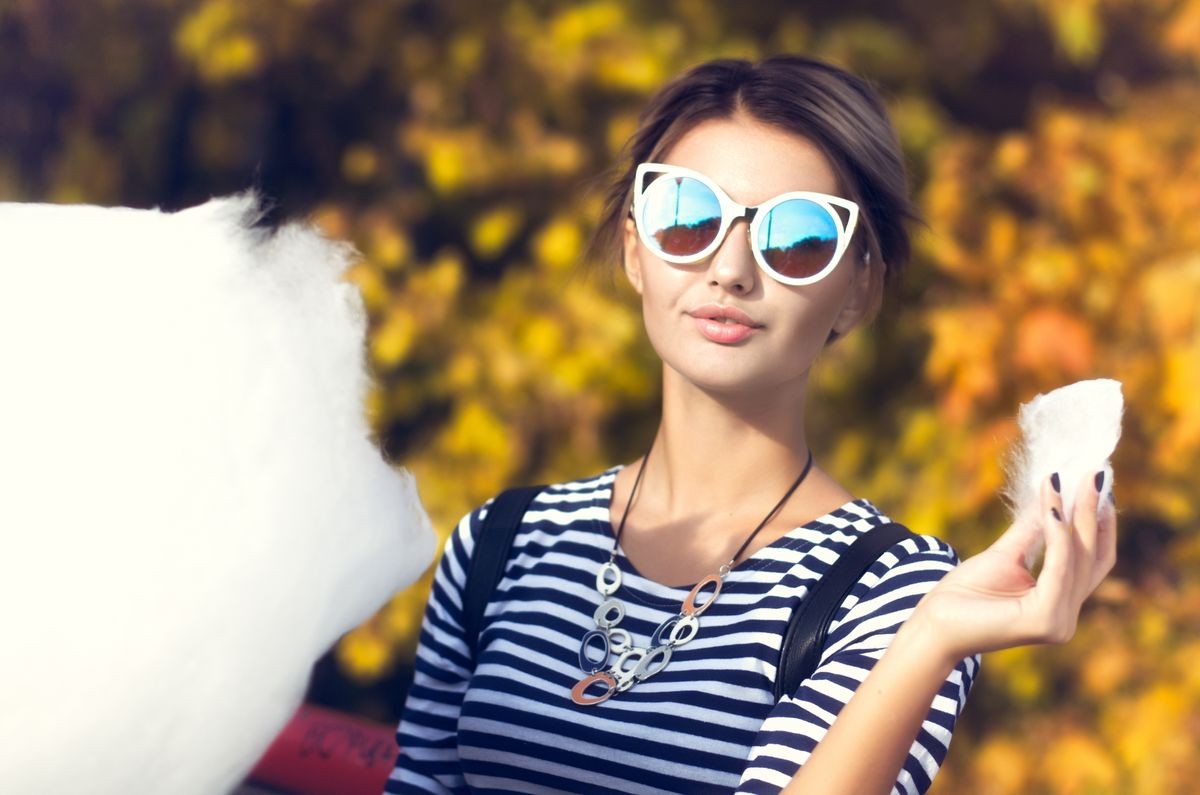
(708, 722)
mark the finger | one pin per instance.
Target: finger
(1106, 541)
(1084, 523)
(1056, 579)
(1016, 542)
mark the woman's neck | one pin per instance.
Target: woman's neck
(727, 450)
(717, 467)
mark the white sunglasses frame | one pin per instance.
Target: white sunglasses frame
(731, 211)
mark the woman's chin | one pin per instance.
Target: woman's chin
(733, 383)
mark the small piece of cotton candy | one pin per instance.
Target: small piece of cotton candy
(1073, 431)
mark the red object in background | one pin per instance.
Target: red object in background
(323, 752)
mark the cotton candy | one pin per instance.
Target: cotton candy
(192, 509)
(1073, 431)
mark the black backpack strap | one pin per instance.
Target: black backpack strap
(493, 542)
(805, 637)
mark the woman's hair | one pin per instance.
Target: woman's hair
(839, 112)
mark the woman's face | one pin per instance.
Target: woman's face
(789, 324)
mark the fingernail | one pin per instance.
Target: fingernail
(1099, 481)
(1057, 515)
(1054, 482)
(1112, 497)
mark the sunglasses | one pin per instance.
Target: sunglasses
(682, 216)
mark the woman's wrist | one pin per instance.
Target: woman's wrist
(921, 634)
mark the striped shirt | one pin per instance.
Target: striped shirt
(708, 722)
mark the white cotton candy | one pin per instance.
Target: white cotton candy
(1073, 431)
(191, 509)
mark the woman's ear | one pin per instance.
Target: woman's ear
(630, 260)
(861, 297)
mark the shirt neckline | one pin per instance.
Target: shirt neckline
(604, 525)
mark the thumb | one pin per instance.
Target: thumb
(1021, 540)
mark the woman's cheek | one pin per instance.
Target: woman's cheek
(658, 330)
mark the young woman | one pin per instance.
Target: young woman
(632, 643)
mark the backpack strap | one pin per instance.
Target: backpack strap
(493, 542)
(805, 637)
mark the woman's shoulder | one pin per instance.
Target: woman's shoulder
(895, 578)
(552, 508)
(858, 517)
(594, 488)
(565, 499)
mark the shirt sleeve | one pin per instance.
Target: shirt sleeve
(864, 626)
(428, 759)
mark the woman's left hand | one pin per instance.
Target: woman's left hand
(991, 601)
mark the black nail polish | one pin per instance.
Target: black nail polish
(1057, 515)
(1054, 482)
(1099, 481)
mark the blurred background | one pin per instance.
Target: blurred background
(1054, 146)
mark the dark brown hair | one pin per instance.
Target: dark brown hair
(840, 113)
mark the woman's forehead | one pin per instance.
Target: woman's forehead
(751, 160)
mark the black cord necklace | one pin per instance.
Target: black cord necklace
(633, 663)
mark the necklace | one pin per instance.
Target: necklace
(637, 663)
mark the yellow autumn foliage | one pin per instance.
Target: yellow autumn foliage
(212, 37)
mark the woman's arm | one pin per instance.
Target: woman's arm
(428, 758)
(990, 602)
(866, 626)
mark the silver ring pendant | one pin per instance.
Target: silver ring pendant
(646, 669)
(605, 585)
(619, 640)
(624, 682)
(601, 614)
(586, 663)
(665, 627)
(618, 667)
(626, 677)
(687, 628)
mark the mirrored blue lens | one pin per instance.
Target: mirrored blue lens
(680, 214)
(798, 238)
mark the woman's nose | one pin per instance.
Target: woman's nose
(732, 265)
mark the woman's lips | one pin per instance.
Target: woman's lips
(726, 333)
(723, 324)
